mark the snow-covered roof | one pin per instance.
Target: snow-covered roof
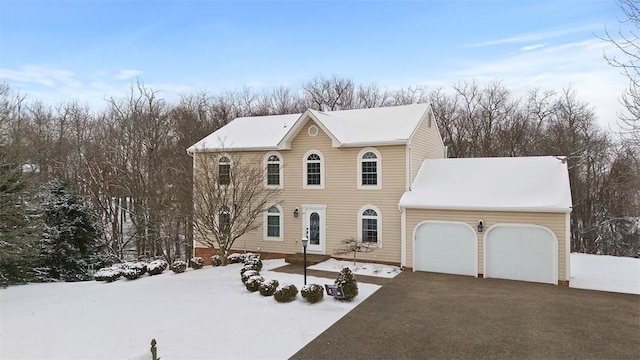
(387, 125)
(538, 183)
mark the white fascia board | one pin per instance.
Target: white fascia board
(232, 149)
(485, 208)
(374, 143)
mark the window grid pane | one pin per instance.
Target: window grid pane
(313, 173)
(369, 173)
(370, 230)
(273, 174)
(224, 174)
(273, 226)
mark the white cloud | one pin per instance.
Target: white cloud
(532, 47)
(40, 75)
(540, 35)
(126, 74)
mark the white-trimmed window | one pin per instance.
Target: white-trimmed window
(369, 169)
(313, 169)
(370, 224)
(224, 170)
(273, 223)
(273, 169)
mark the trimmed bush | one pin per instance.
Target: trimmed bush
(285, 293)
(247, 274)
(254, 263)
(196, 262)
(157, 267)
(312, 293)
(349, 284)
(179, 266)
(235, 258)
(130, 274)
(268, 287)
(215, 260)
(254, 282)
(108, 274)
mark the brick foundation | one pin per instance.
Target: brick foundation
(563, 283)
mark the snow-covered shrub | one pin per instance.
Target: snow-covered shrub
(250, 256)
(235, 258)
(247, 274)
(196, 262)
(348, 283)
(312, 293)
(253, 263)
(108, 274)
(285, 293)
(134, 267)
(253, 283)
(215, 260)
(268, 287)
(179, 266)
(157, 267)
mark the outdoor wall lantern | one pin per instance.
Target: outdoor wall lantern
(480, 225)
(295, 212)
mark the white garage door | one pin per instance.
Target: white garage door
(521, 252)
(446, 247)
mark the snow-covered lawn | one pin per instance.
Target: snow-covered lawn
(606, 273)
(205, 313)
(358, 268)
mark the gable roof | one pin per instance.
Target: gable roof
(360, 127)
(538, 184)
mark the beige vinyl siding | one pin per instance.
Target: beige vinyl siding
(425, 143)
(340, 195)
(556, 222)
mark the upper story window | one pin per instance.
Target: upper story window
(274, 170)
(369, 169)
(369, 225)
(313, 170)
(224, 171)
(224, 222)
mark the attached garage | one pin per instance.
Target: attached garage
(504, 218)
(521, 252)
(446, 247)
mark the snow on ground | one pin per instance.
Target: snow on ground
(206, 313)
(368, 269)
(606, 273)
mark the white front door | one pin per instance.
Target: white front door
(313, 227)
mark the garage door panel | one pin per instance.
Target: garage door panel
(523, 252)
(446, 247)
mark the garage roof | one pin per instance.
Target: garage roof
(538, 184)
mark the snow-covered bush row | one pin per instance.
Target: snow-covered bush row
(179, 266)
(157, 267)
(196, 262)
(247, 274)
(285, 293)
(312, 293)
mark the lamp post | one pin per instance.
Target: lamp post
(305, 241)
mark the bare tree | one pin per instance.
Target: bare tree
(351, 245)
(229, 196)
(628, 44)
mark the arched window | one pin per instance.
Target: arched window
(273, 170)
(369, 169)
(224, 171)
(369, 224)
(273, 223)
(313, 170)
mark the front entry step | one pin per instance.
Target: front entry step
(312, 259)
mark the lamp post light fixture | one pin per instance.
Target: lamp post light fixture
(305, 241)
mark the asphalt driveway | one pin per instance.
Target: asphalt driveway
(435, 316)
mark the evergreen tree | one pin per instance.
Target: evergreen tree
(16, 225)
(71, 232)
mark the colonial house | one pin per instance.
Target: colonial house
(381, 176)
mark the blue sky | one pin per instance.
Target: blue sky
(90, 50)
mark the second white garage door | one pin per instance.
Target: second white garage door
(521, 252)
(446, 247)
